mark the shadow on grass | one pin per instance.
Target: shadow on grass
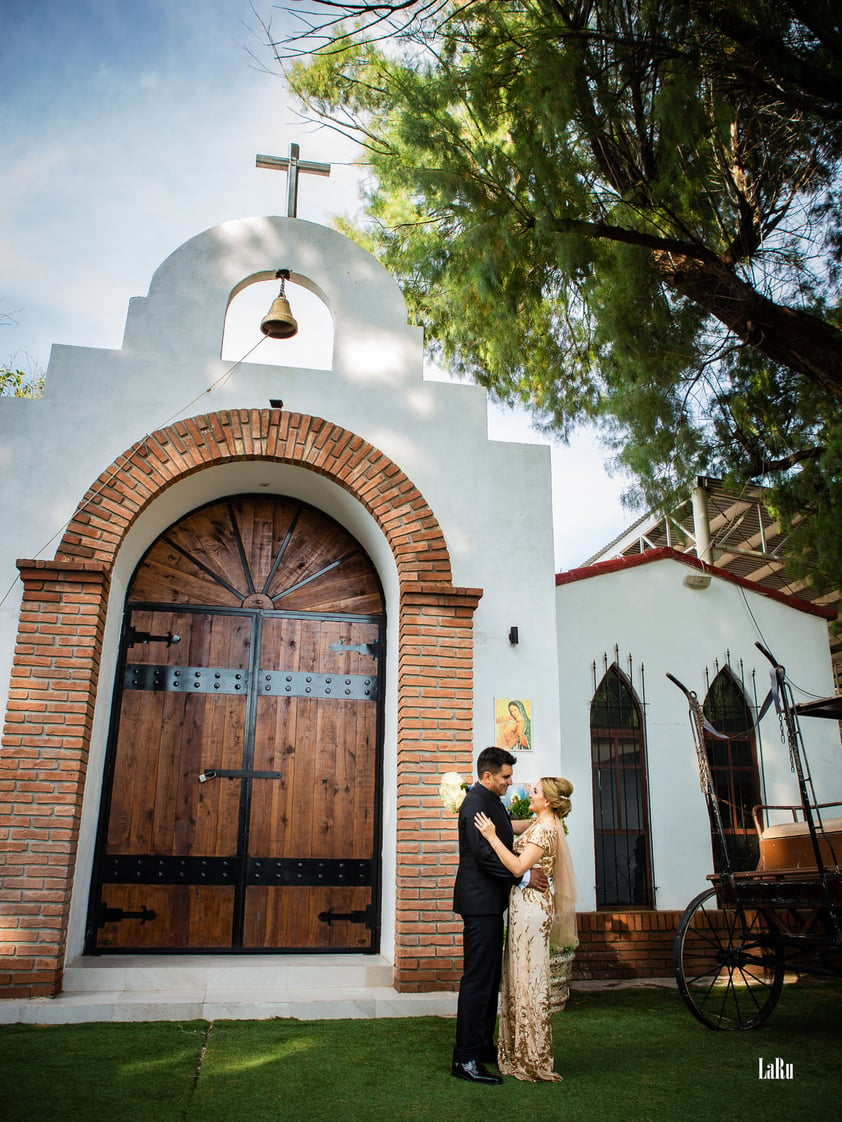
(626, 1056)
(98, 1072)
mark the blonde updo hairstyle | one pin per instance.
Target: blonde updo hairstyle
(557, 791)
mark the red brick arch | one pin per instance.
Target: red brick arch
(53, 695)
(158, 461)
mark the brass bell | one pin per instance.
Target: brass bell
(279, 322)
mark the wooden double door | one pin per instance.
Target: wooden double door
(241, 803)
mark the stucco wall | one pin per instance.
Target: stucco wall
(648, 613)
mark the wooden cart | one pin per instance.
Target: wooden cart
(738, 939)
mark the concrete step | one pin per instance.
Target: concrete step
(231, 987)
(267, 976)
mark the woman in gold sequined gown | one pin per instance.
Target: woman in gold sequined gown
(537, 921)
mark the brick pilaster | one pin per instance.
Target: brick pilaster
(435, 735)
(43, 762)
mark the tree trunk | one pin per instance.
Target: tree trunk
(787, 336)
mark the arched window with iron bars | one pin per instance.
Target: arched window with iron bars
(733, 765)
(621, 819)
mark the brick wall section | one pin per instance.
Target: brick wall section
(64, 606)
(42, 766)
(435, 735)
(625, 944)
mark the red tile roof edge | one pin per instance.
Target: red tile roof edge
(667, 553)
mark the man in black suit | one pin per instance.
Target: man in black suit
(481, 896)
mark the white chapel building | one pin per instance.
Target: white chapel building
(256, 611)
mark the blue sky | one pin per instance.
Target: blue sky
(126, 129)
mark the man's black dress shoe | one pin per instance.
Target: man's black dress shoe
(474, 1072)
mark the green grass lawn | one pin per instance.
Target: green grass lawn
(626, 1056)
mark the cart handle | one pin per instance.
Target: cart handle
(689, 694)
(696, 708)
(769, 655)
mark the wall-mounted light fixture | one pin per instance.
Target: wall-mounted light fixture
(279, 322)
(699, 581)
(513, 636)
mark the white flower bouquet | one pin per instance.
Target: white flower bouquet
(452, 790)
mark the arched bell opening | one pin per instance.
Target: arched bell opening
(309, 347)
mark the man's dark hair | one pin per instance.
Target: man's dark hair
(493, 759)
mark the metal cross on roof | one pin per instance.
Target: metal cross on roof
(292, 166)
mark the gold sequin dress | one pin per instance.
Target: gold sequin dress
(525, 1038)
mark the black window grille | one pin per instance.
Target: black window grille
(618, 768)
(733, 765)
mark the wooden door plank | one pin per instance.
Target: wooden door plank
(209, 536)
(287, 918)
(275, 746)
(197, 916)
(264, 524)
(308, 800)
(272, 799)
(135, 775)
(169, 577)
(311, 578)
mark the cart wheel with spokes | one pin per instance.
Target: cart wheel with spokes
(728, 966)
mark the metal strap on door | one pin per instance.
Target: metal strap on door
(233, 680)
(128, 868)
